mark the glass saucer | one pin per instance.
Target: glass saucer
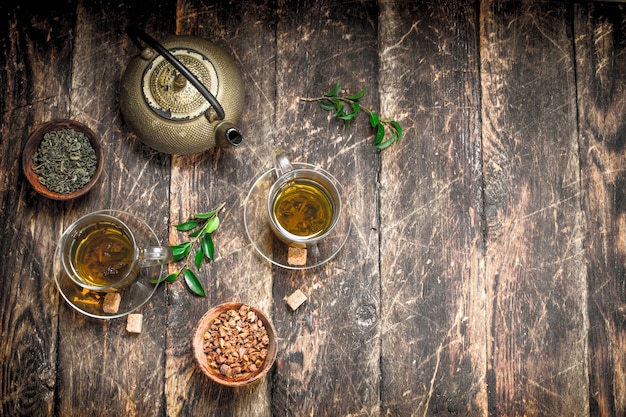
(132, 297)
(256, 222)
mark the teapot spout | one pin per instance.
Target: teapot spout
(228, 132)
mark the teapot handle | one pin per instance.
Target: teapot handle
(135, 34)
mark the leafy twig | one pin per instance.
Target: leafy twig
(200, 228)
(346, 108)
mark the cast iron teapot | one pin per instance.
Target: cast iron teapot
(183, 95)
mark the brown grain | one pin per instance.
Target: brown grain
(236, 344)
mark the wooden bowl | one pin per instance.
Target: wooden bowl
(32, 146)
(242, 358)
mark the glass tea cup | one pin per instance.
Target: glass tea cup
(303, 205)
(100, 252)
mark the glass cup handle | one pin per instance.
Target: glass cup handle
(155, 255)
(281, 162)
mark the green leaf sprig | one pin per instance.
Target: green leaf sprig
(199, 227)
(347, 108)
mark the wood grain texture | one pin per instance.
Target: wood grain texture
(35, 78)
(433, 332)
(485, 270)
(535, 276)
(199, 183)
(126, 369)
(601, 75)
(329, 364)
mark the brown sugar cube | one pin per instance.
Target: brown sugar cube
(296, 256)
(134, 323)
(111, 303)
(296, 299)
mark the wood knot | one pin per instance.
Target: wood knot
(366, 315)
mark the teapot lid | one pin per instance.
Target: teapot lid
(170, 94)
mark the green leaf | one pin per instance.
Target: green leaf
(193, 283)
(180, 257)
(172, 277)
(213, 224)
(198, 232)
(327, 105)
(205, 215)
(199, 257)
(334, 91)
(180, 251)
(180, 246)
(358, 95)
(380, 134)
(188, 225)
(169, 278)
(208, 247)
(348, 116)
(338, 106)
(386, 143)
(398, 128)
(374, 119)
(346, 107)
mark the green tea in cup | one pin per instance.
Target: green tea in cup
(303, 208)
(99, 252)
(103, 255)
(304, 204)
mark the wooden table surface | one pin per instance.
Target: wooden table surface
(485, 270)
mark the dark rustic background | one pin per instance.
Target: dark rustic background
(485, 272)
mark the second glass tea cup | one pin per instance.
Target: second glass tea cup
(304, 204)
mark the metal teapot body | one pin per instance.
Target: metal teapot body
(183, 95)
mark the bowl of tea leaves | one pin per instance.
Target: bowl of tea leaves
(62, 159)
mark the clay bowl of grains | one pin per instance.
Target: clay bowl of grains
(235, 344)
(62, 159)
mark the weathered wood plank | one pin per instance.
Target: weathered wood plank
(36, 75)
(103, 370)
(536, 305)
(199, 183)
(329, 359)
(436, 306)
(600, 33)
(433, 329)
